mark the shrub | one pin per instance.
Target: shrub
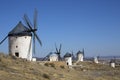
(52, 65)
(46, 76)
(63, 67)
(46, 64)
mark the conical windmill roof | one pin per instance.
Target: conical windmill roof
(20, 30)
(67, 55)
(54, 54)
(79, 52)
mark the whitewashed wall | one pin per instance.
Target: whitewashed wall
(68, 60)
(80, 57)
(53, 58)
(22, 45)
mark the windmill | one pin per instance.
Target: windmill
(58, 51)
(80, 55)
(33, 29)
(20, 38)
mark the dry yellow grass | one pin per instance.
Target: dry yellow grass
(12, 68)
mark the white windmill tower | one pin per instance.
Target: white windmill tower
(96, 60)
(68, 58)
(112, 63)
(20, 39)
(80, 55)
(53, 57)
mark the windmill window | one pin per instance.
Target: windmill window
(67, 63)
(25, 37)
(16, 46)
(16, 37)
(17, 54)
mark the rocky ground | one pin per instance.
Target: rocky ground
(12, 68)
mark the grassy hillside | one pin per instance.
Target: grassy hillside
(12, 68)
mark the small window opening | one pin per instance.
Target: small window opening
(17, 54)
(16, 46)
(67, 63)
(25, 37)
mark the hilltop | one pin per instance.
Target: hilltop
(12, 68)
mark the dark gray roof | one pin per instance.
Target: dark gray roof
(112, 61)
(67, 55)
(53, 54)
(79, 52)
(20, 30)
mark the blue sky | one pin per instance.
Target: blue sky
(90, 24)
